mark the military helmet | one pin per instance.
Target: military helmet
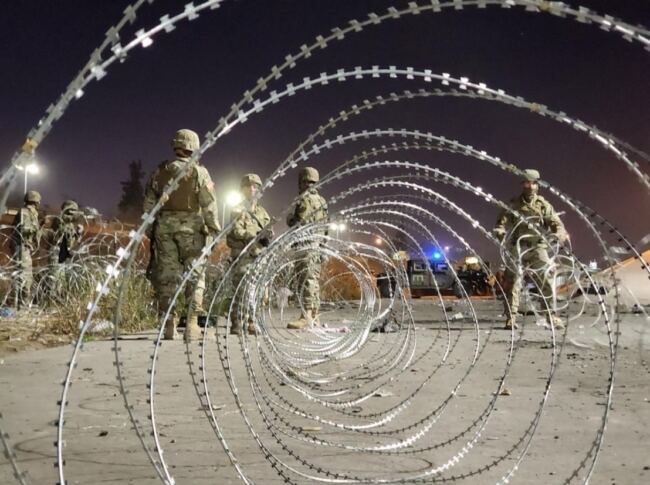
(32, 197)
(531, 175)
(309, 174)
(250, 179)
(69, 205)
(186, 140)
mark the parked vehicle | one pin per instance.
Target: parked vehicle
(423, 282)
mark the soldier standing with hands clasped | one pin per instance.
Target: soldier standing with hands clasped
(250, 221)
(183, 226)
(65, 234)
(25, 240)
(528, 247)
(311, 207)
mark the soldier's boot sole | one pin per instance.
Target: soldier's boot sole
(298, 324)
(556, 322)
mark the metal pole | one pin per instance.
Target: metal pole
(25, 193)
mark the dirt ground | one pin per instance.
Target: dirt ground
(101, 446)
(26, 331)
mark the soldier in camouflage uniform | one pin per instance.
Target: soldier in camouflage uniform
(25, 240)
(250, 219)
(63, 236)
(527, 248)
(65, 233)
(311, 207)
(187, 220)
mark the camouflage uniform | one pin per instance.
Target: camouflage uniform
(187, 218)
(25, 240)
(528, 248)
(250, 220)
(310, 207)
(65, 234)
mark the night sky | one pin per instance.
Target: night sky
(189, 79)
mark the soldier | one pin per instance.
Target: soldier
(251, 219)
(25, 240)
(527, 247)
(183, 227)
(311, 207)
(65, 233)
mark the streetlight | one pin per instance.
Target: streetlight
(32, 168)
(378, 241)
(339, 229)
(233, 198)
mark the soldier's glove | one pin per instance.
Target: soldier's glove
(265, 238)
(500, 235)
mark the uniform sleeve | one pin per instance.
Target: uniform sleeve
(240, 230)
(208, 200)
(291, 216)
(150, 193)
(503, 221)
(302, 209)
(554, 223)
(296, 216)
(15, 230)
(325, 209)
(38, 229)
(265, 219)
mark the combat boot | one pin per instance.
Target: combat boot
(511, 324)
(192, 329)
(235, 328)
(315, 317)
(555, 321)
(170, 328)
(299, 324)
(251, 328)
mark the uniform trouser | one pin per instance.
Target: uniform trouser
(24, 279)
(55, 278)
(175, 252)
(536, 262)
(307, 274)
(240, 312)
(56, 273)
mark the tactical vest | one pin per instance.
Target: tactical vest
(533, 213)
(186, 197)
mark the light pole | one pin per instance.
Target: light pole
(232, 199)
(29, 168)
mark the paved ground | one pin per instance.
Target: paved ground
(102, 448)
